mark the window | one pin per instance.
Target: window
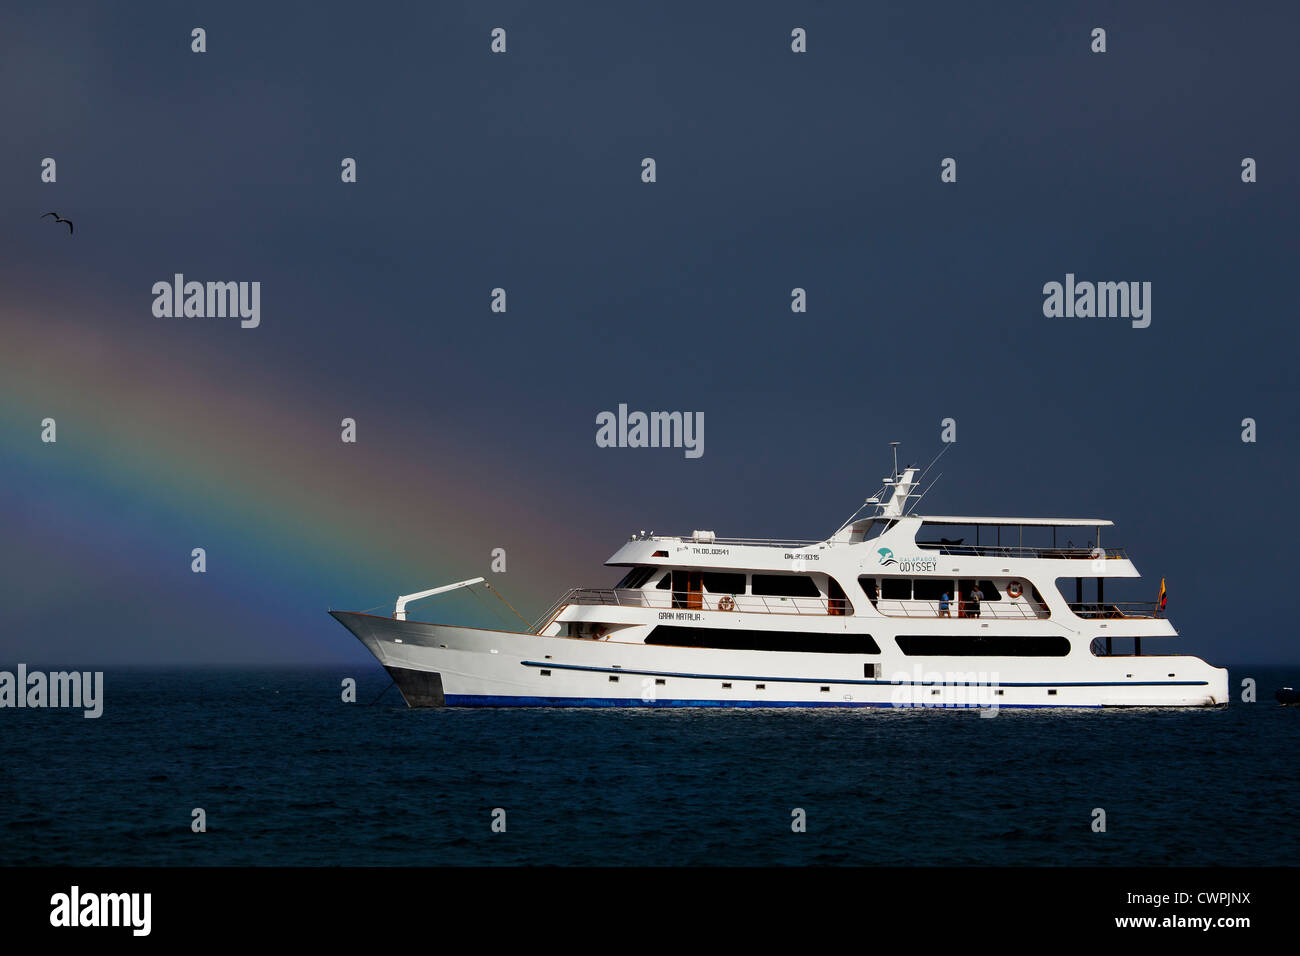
(688, 590)
(826, 690)
(868, 586)
(718, 583)
(665, 582)
(932, 589)
(785, 585)
(987, 588)
(726, 686)
(984, 645)
(735, 639)
(635, 578)
(871, 671)
(660, 681)
(946, 539)
(760, 687)
(896, 589)
(546, 673)
(837, 602)
(613, 678)
(870, 529)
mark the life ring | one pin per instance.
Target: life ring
(1014, 590)
(726, 603)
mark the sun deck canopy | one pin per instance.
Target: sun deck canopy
(1016, 522)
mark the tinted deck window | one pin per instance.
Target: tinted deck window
(743, 640)
(921, 645)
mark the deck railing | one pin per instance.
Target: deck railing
(768, 604)
(754, 542)
(999, 610)
(1024, 551)
(1096, 609)
(771, 604)
(694, 601)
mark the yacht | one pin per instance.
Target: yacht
(894, 609)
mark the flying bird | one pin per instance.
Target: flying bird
(58, 218)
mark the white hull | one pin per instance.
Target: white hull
(436, 664)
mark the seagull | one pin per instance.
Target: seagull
(58, 218)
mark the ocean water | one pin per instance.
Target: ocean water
(289, 774)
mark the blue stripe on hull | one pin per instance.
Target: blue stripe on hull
(503, 700)
(857, 681)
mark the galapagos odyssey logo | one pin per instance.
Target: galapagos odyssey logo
(907, 564)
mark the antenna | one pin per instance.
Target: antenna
(893, 482)
(942, 451)
(916, 498)
(875, 498)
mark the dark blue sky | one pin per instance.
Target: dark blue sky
(522, 171)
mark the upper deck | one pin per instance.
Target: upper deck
(995, 548)
(997, 540)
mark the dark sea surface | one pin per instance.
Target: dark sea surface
(289, 774)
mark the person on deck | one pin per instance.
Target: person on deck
(976, 595)
(943, 606)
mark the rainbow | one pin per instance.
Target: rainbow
(165, 443)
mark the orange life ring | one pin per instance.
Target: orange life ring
(1014, 589)
(726, 603)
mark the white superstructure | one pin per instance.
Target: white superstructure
(894, 609)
